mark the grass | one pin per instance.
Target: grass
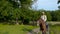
(55, 29)
(15, 29)
(23, 29)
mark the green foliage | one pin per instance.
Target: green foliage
(10, 11)
(58, 1)
(55, 15)
(58, 15)
(49, 17)
(26, 21)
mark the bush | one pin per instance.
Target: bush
(26, 21)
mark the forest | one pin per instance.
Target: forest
(21, 10)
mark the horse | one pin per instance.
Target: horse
(42, 26)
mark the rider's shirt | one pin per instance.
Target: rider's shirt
(44, 17)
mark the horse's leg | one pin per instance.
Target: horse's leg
(47, 29)
(43, 32)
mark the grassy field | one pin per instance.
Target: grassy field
(23, 29)
(15, 29)
(55, 29)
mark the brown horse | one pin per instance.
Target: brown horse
(42, 26)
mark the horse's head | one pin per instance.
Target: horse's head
(41, 21)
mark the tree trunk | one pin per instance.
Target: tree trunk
(33, 22)
(17, 21)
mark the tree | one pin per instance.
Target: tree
(57, 12)
(22, 3)
(59, 7)
(49, 17)
(58, 1)
(5, 9)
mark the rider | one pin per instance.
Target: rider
(44, 18)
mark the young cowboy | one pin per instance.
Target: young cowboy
(44, 18)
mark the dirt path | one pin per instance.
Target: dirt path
(34, 31)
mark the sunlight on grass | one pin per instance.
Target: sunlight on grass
(23, 29)
(15, 29)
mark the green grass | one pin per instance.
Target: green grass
(15, 29)
(55, 29)
(23, 29)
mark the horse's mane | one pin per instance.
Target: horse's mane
(39, 19)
